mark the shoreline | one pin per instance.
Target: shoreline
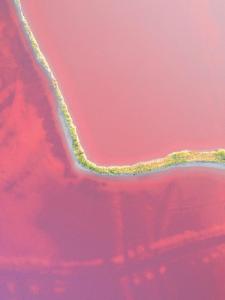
(184, 158)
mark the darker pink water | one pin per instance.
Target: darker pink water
(141, 79)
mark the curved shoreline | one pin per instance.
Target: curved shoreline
(182, 158)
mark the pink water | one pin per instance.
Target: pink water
(141, 78)
(72, 235)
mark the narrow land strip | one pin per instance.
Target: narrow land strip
(182, 158)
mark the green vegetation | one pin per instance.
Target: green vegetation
(220, 155)
(173, 159)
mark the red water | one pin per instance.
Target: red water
(69, 235)
(142, 78)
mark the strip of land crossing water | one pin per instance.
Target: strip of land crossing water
(184, 158)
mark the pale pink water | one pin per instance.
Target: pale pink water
(141, 78)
